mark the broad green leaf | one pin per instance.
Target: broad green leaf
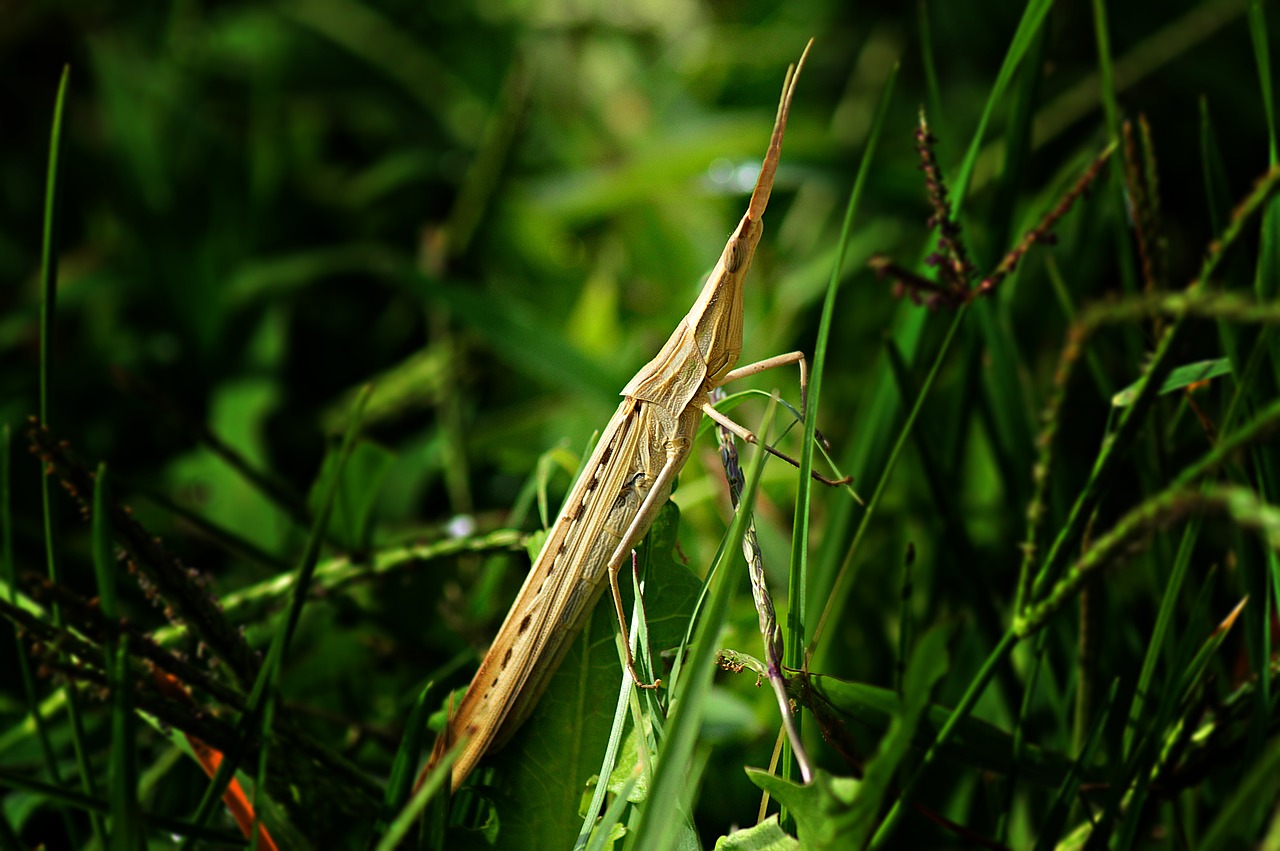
(1179, 378)
(768, 835)
(823, 810)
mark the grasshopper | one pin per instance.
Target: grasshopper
(620, 489)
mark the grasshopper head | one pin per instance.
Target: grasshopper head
(716, 317)
(705, 346)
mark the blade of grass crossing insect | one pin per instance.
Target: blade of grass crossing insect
(265, 684)
(604, 826)
(662, 816)
(48, 307)
(640, 633)
(403, 767)
(699, 606)
(798, 576)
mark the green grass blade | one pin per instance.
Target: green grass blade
(9, 840)
(48, 253)
(832, 577)
(48, 309)
(434, 783)
(590, 824)
(1193, 668)
(66, 797)
(1011, 414)
(928, 665)
(962, 710)
(1065, 798)
(1017, 143)
(405, 765)
(257, 716)
(1106, 69)
(8, 570)
(126, 823)
(972, 742)
(931, 84)
(1033, 17)
(1262, 55)
(104, 563)
(1178, 379)
(1217, 196)
(836, 598)
(612, 816)
(663, 812)
(1255, 796)
(798, 576)
(122, 788)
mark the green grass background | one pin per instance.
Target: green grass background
(496, 212)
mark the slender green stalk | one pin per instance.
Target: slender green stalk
(974, 691)
(48, 309)
(903, 435)
(258, 714)
(798, 581)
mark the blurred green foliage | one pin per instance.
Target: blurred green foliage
(495, 212)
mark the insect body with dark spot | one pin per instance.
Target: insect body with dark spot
(626, 480)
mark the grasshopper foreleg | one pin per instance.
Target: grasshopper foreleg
(782, 360)
(749, 436)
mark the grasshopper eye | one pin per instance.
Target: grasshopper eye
(732, 255)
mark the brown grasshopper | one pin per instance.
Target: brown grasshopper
(620, 490)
